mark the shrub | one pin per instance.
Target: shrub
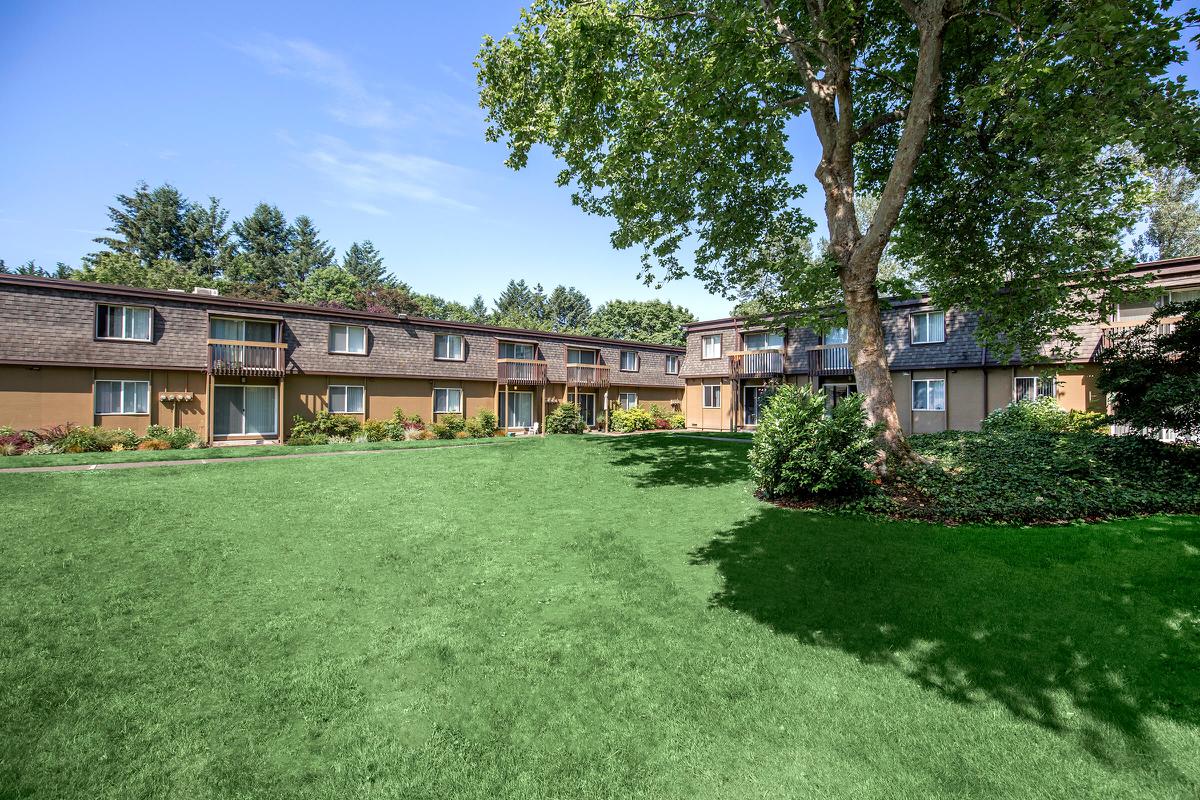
(377, 430)
(474, 429)
(1035, 476)
(462, 435)
(440, 430)
(178, 438)
(307, 438)
(565, 419)
(43, 449)
(800, 450)
(488, 423)
(453, 422)
(1044, 415)
(425, 434)
(335, 439)
(414, 434)
(150, 444)
(632, 419)
(14, 444)
(678, 421)
(55, 433)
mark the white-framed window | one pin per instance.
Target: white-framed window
(1031, 388)
(629, 361)
(711, 346)
(837, 336)
(928, 327)
(929, 395)
(712, 395)
(762, 341)
(519, 351)
(627, 400)
(125, 323)
(448, 347)
(241, 330)
(672, 365)
(122, 397)
(348, 339)
(575, 356)
(447, 401)
(347, 399)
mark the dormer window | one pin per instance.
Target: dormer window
(123, 323)
(928, 327)
(448, 347)
(241, 330)
(762, 341)
(348, 339)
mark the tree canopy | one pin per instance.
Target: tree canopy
(642, 320)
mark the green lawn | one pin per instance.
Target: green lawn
(575, 618)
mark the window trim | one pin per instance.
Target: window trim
(346, 397)
(768, 347)
(716, 389)
(913, 394)
(720, 346)
(637, 361)
(462, 347)
(274, 408)
(595, 362)
(621, 402)
(501, 344)
(96, 399)
(348, 326)
(667, 364)
(1038, 381)
(912, 327)
(437, 389)
(96, 324)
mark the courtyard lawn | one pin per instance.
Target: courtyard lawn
(582, 617)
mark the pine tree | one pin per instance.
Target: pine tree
(264, 248)
(1173, 224)
(207, 246)
(148, 224)
(479, 309)
(365, 263)
(568, 309)
(309, 252)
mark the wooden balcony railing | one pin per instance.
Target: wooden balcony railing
(587, 374)
(747, 363)
(521, 371)
(227, 357)
(829, 359)
(1122, 329)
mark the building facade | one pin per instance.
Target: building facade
(943, 378)
(240, 370)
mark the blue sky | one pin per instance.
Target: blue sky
(365, 119)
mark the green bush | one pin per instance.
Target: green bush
(678, 421)
(565, 418)
(307, 438)
(441, 430)
(326, 424)
(177, 438)
(454, 423)
(1034, 476)
(378, 430)
(631, 419)
(1044, 415)
(97, 439)
(488, 423)
(800, 450)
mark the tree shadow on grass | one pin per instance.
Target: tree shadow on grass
(1087, 631)
(668, 460)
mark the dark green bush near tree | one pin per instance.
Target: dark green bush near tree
(1036, 476)
(564, 419)
(1044, 415)
(1153, 378)
(799, 450)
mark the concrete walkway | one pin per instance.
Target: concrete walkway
(234, 459)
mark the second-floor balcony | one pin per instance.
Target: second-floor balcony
(228, 357)
(1122, 330)
(520, 371)
(753, 363)
(829, 359)
(587, 374)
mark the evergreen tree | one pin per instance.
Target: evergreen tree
(149, 224)
(519, 306)
(479, 309)
(1173, 219)
(365, 263)
(264, 248)
(568, 309)
(309, 252)
(30, 267)
(207, 246)
(63, 271)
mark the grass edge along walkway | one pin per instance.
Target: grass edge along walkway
(171, 462)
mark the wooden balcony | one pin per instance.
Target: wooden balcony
(520, 372)
(587, 375)
(1123, 329)
(263, 359)
(756, 363)
(829, 359)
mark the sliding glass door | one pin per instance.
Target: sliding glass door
(519, 410)
(245, 410)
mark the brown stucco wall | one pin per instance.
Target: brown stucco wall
(714, 419)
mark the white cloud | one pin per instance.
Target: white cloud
(378, 173)
(367, 208)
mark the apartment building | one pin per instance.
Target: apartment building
(943, 378)
(239, 370)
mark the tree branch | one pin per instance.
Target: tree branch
(878, 121)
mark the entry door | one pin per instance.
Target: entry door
(752, 398)
(245, 410)
(519, 413)
(587, 408)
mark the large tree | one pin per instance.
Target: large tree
(568, 309)
(309, 252)
(985, 129)
(641, 320)
(264, 249)
(365, 262)
(149, 224)
(1173, 216)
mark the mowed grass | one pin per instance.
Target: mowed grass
(575, 617)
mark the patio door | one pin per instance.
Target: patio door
(519, 412)
(587, 407)
(753, 398)
(245, 411)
